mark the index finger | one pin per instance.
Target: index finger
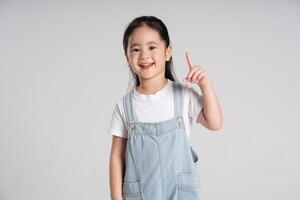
(189, 59)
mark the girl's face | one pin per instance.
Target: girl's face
(147, 53)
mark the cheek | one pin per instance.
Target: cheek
(155, 55)
(161, 58)
(133, 57)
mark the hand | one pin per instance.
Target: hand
(196, 74)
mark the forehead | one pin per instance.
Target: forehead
(143, 35)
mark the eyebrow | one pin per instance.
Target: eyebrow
(135, 44)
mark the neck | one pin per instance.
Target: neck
(151, 86)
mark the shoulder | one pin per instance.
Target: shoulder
(188, 90)
(119, 109)
(119, 106)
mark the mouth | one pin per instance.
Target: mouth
(146, 66)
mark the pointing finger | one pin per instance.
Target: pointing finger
(189, 60)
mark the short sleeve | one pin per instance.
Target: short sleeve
(117, 125)
(195, 104)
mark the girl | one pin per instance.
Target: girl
(151, 157)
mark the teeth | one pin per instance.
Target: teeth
(146, 65)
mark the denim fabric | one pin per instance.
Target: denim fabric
(160, 163)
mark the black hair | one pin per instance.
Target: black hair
(157, 25)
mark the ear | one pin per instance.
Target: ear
(168, 53)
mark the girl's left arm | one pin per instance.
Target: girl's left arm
(211, 115)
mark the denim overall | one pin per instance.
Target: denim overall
(160, 163)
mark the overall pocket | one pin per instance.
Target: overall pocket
(132, 191)
(188, 186)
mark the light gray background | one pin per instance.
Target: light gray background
(63, 70)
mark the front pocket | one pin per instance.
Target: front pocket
(188, 186)
(132, 191)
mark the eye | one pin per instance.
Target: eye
(152, 47)
(134, 50)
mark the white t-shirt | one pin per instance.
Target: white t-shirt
(157, 107)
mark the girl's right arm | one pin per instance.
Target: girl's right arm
(117, 166)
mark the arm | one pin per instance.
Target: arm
(211, 114)
(117, 166)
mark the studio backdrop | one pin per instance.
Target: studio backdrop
(62, 70)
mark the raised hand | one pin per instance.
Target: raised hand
(196, 74)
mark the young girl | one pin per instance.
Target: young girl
(151, 157)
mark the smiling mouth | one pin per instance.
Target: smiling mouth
(146, 66)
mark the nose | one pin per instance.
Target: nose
(144, 56)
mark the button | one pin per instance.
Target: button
(130, 127)
(179, 122)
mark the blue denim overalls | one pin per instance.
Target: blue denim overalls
(160, 163)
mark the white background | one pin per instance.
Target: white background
(62, 70)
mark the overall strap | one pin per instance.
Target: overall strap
(177, 99)
(127, 104)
